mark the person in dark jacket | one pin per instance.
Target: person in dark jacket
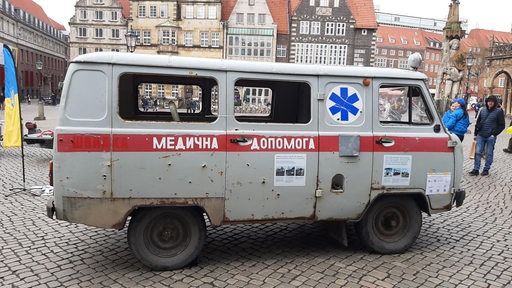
(489, 124)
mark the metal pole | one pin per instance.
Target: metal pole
(40, 107)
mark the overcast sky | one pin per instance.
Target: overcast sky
(488, 14)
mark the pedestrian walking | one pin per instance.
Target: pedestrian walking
(489, 124)
(456, 119)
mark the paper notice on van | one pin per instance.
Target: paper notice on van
(397, 170)
(438, 183)
(290, 170)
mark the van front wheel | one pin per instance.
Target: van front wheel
(391, 225)
(166, 238)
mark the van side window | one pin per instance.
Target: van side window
(157, 97)
(403, 104)
(269, 101)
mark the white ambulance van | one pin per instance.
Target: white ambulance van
(168, 144)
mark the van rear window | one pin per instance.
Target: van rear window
(168, 98)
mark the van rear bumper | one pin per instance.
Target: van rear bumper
(460, 195)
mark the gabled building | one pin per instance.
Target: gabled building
(492, 71)
(251, 33)
(201, 31)
(34, 38)
(396, 44)
(155, 22)
(333, 32)
(98, 25)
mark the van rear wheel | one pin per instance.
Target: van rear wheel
(391, 225)
(166, 238)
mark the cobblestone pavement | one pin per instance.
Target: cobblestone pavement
(470, 246)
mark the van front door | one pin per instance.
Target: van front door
(410, 146)
(272, 147)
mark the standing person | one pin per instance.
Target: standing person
(155, 104)
(489, 124)
(509, 148)
(456, 119)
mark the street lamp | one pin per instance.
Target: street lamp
(131, 39)
(470, 62)
(40, 107)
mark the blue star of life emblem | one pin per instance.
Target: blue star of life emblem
(344, 104)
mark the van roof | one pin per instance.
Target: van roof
(120, 58)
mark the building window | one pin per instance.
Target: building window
(250, 19)
(380, 62)
(404, 41)
(281, 51)
(98, 33)
(188, 39)
(82, 32)
(364, 32)
(215, 39)
(98, 15)
(324, 3)
(262, 19)
(83, 14)
(239, 18)
(384, 51)
(249, 46)
(166, 37)
(98, 1)
(400, 53)
(152, 11)
(329, 28)
(340, 29)
(98, 49)
(311, 2)
(189, 11)
(146, 38)
(141, 11)
(326, 54)
(161, 90)
(164, 11)
(212, 12)
(402, 64)
(114, 50)
(392, 52)
(304, 27)
(201, 12)
(315, 28)
(427, 55)
(204, 39)
(82, 51)
(174, 37)
(148, 90)
(113, 16)
(175, 91)
(501, 82)
(251, 2)
(115, 33)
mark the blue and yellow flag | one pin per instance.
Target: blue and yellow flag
(12, 122)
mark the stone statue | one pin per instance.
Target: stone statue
(451, 70)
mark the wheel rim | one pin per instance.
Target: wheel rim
(167, 236)
(391, 224)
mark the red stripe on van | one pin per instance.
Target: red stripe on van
(255, 143)
(83, 143)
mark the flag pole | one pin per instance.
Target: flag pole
(16, 100)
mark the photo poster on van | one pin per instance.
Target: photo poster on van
(344, 104)
(397, 170)
(290, 170)
(438, 183)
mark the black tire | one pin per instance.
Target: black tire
(167, 238)
(391, 225)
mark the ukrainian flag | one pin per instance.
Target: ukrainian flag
(12, 121)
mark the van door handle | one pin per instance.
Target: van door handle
(385, 142)
(239, 140)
